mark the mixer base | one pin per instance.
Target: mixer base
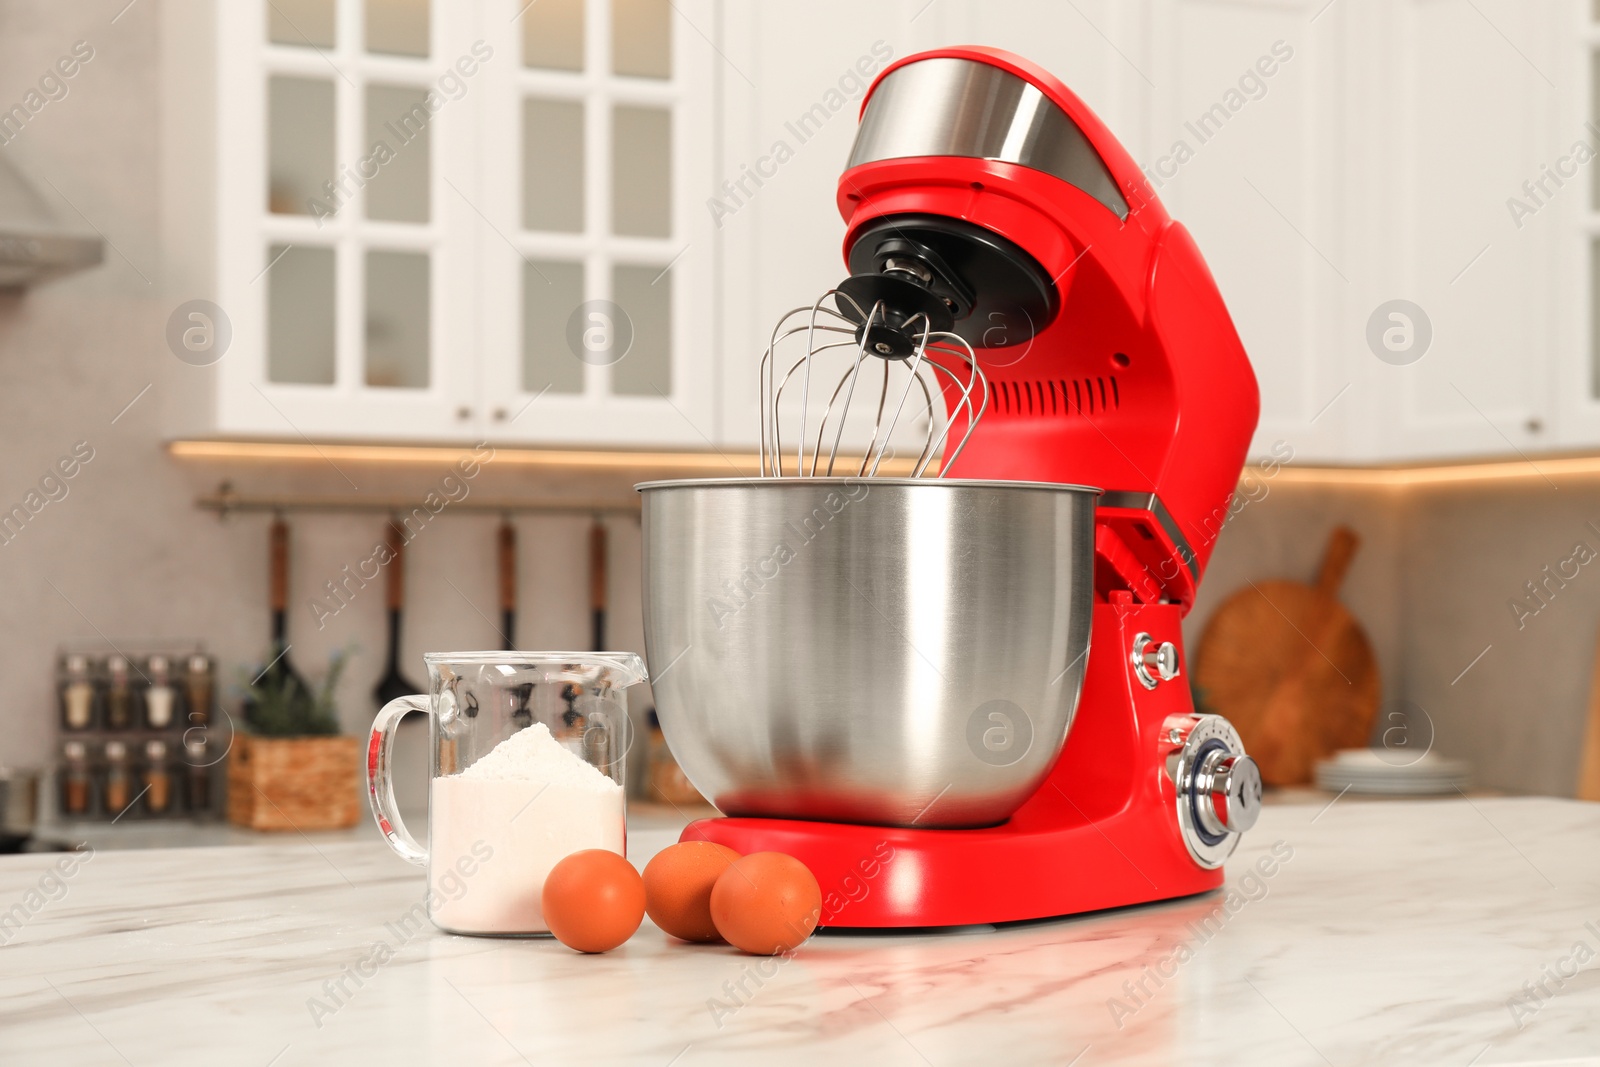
(880, 876)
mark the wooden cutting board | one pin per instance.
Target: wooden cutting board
(1290, 667)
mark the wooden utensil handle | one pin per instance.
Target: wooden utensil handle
(1589, 764)
(397, 567)
(1342, 545)
(597, 566)
(278, 557)
(508, 566)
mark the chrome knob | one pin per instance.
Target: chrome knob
(1152, 662)
(1228, 789)
(1216, 787)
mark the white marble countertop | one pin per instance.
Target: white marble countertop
(1393, 933)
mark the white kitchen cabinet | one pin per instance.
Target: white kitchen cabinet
(1329, 158)
(641, 248)
(1569, 215)
(1471, 105)
(791, 92)
(1250, 114)
(1264, 168)
(1375, 166)
(452, 221)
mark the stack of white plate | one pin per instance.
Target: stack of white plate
(1392, 771)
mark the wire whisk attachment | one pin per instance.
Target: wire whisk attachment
(832, 339)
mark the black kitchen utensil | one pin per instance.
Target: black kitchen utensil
(393, 684)
(597, 582)
(279, 671)
(507, 542)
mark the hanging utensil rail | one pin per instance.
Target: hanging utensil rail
(226, 501)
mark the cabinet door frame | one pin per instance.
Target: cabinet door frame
(686, 415)
(1323, 421)
(776, 183)
(247, 402)
(1479, 422)
(475, 343)
(1578, 233)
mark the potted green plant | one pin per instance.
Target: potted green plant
(291, 769)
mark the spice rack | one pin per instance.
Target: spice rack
(136, 733)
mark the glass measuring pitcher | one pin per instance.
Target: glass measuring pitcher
(528, 767)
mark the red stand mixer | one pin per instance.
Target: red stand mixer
(997, 231)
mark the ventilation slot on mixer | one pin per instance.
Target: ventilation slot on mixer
(1056, 396)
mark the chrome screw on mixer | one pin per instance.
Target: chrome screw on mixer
(918, 339)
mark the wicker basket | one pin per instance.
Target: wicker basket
(294, 783)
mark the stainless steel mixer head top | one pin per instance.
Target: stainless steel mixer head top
(891, 317)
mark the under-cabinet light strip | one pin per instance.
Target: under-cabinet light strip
(746, 464)
(1546, 469)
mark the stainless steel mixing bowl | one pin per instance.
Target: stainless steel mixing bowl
(888, 651)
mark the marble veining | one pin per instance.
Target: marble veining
(1439, 932)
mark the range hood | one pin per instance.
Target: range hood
(34, 245)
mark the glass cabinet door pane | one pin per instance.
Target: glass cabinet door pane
(641, 38)
(551, 293)
(641, 182)
(299, 145)
(552, 34)
(397, 319)
(397, 27)
(645, 294)
(1594, 318)
(300, 292)
(552, 165)
(302, 23)
(395, 166)
(1594, 110)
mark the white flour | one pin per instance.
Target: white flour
(533, 755)
(532, 803)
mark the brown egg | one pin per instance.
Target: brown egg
(766, 903)
(677, 887)
(593, 900)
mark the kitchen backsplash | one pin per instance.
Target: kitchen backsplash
(1435, 584)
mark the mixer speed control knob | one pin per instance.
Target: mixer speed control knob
(1229, 789)
(1216, 787)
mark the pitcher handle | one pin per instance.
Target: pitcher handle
(380, 785)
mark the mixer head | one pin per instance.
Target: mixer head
(1007, 256)
(926, 290)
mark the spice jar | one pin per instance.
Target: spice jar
(77, 694)
(119, 779)
(119, 695)
(199, 686)
(160, 697)
(75, 779)
(158, 783)
(196, 754)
